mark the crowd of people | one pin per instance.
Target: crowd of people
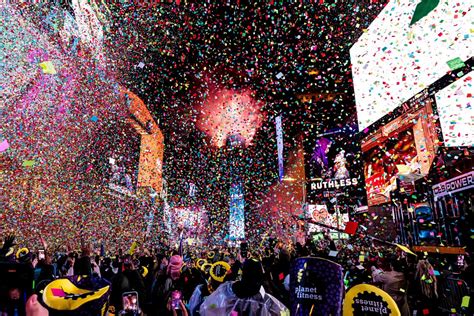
(243, 280)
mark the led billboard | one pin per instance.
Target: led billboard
(152, 143)
(405, 49)
(320, 214)
(401, 149)
(456, 112)
(333, 164)
(237, 212)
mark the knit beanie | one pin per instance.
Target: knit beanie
(174, 267)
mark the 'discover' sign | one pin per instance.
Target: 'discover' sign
(316, 287)
(368, 300)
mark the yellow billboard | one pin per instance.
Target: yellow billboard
(150, 171)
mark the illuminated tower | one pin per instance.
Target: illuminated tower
(235, 144)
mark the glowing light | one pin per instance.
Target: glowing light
(228, 112)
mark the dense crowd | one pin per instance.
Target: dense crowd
(243, 280)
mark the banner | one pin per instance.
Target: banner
(279, 133)
(365, 299)
(316, 287)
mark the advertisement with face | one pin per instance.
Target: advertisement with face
(320, 214)
(333, 164)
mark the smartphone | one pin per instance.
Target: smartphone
(16, 284)
(130, 301)
(175, 299)
(41, 254)
(244, 249)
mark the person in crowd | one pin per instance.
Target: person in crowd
(74, 295)
(427, 285)
(219, 272)
(213, 280)
(167, 280)
(245, 297)
(127, 279)
(394, 283)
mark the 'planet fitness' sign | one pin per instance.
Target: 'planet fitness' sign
(365, 299)
(316, 287)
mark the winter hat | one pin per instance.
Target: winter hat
(174, 267)
(76, 296)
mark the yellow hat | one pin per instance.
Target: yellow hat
(206, 267)
(21, 252)
(219, 270)
(144, 271)
(200, 262)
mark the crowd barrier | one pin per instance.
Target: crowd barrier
(451, 291)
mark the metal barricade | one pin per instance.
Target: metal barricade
(451, 290)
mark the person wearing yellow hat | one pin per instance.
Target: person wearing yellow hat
(218, 273)
(74, 295)
(243, 296)
(200, 262)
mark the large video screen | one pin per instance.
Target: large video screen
(456, 112)
(405, 50)
(402, 149)
(333, 164)
(237, 212)
(320, 214)
(122, 152)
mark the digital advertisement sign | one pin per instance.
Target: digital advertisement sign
(456, 112)
(406, 48)
(320, 214)
(237, 212)
(150, 173)
(402, 149)
(333, 163)
(192, 219)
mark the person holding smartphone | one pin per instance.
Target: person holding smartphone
(175, 304)
(130, 304)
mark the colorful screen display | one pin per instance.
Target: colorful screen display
(403, 148)
(456, 112)
(237, 212)
(332, 164)
(319, 213)
(406, 48)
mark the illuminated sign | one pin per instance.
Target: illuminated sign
(456, 112)
(237, 212)
(457, 184)
(150, 172)
(397, 57)
(279, 133)
(319, 213)
(333, 184)
(404, 149)
(332, 163)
